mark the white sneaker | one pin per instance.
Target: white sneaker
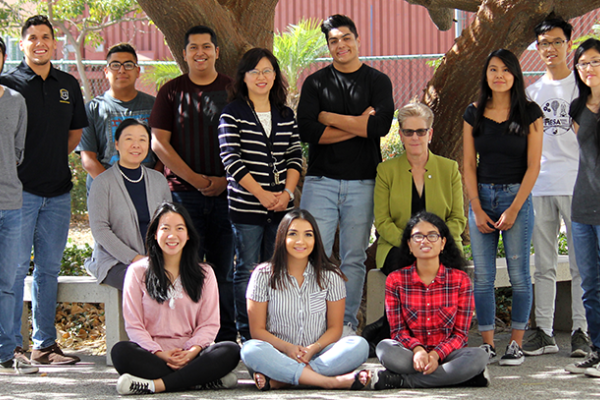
(594, 372)
(348, 331)
(17, 367)
(129, 384)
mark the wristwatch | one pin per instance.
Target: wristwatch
(292, 197)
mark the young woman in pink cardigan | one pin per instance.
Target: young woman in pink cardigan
(171, 311)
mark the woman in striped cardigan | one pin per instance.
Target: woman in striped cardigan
(260, 148)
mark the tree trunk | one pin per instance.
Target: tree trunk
(239, 24)
(498, 24)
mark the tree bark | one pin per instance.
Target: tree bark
(239, 24)
(498, 24)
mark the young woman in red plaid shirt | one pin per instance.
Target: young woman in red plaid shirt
(429, 304)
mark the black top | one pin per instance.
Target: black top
(502, 156)
(54, 107)
(347, 94)
(137, 193)
(585, 205)
(417, 202)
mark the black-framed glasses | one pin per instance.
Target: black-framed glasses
(546, 45)
(583, 66)
(115, 65)
(432, 237)
(410, 132)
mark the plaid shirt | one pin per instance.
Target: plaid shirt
(436, 317)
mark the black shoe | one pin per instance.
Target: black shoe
(482, 379)
(580, 367)
(580, 344)
(385, 379)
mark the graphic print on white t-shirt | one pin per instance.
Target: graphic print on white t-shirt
(556, 116)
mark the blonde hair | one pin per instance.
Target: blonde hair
(415, 109)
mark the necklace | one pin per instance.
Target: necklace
(131, 180)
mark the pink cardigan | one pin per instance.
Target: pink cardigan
(178, 323)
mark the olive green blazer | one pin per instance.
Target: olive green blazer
(393, 199)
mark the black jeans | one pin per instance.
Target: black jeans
(212, 363)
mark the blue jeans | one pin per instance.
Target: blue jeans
(10, 231)
(349, 204)
(211, 220)
(338, 358)
(254, 244)
(495, 199)
(45, 226)
(586, 240)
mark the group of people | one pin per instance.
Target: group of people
(191, 205)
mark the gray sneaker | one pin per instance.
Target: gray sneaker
(580, 367)
(227, 382)
(539, 343)
(491, 351)
(16, 367)
(580, 344)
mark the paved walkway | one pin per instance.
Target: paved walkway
(540, 377)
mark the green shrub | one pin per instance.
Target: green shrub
(79, 191)
(72, 260)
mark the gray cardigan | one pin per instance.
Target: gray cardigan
(114, 221)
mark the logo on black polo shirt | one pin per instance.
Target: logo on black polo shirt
(64, 96)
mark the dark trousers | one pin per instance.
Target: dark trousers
(212, 363)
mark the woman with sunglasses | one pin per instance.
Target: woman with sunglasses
(416, 181)
(429, 303)
(502, 144)
(260, 148)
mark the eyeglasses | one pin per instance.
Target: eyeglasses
(432, 237)
(546, 45)
(583, 66)
(410, 132)
(115, 65)
(267, 73)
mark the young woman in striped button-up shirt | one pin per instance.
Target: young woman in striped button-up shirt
(296, 312)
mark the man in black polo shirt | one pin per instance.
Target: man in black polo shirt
(56, 116)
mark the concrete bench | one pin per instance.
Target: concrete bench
(376, 290)
(84, 289)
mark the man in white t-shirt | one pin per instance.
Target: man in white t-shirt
(553, 189)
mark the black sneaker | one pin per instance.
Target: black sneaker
(514, 355)
(482, 379)
(227, 382)
(491, 351)
(539, 343)
(580, 367)
(129, 384)
(385, 379)
(580, 344)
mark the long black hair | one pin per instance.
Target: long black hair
(317, 257)
(517, 118)
(451, 257)
(238, 89)
(191, 273)
(585, 91)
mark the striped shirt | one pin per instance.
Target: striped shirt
(296, 314)
(246, 150)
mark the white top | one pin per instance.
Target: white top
(265, 120)
(296, 314)
(560, 152)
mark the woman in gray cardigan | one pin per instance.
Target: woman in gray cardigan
(121, 203)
